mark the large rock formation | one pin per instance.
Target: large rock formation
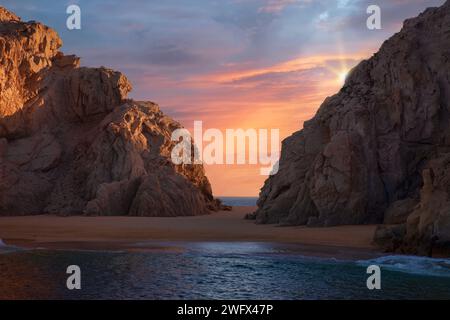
(379, 150)
(71, 143)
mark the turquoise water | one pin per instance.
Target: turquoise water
(212, 270)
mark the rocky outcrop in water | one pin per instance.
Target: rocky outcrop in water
(379, 150)
(71, 142)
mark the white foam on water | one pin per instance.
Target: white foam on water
(411, 264)
(4, 248)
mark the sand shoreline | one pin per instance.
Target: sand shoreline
(149, 233)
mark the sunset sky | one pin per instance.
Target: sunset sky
(230, 63)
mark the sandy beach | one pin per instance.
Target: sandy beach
(78, 232)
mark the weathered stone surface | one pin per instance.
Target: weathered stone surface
(398, 211)
(6, 15)
(71, 142)
(367, 146)
(390, 237)
(428, 226)
(26, 50)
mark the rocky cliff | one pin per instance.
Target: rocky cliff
(379, 150)
(71, 142)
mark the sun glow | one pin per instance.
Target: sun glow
(342, 76)
(343, 69)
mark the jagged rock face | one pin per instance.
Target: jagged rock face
(26, 49)
(71, 143)
(7, 16)
(367, 146)
(426, 230)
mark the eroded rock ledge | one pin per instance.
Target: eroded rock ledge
(71, 142)
(379, 150)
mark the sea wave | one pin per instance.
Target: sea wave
(4, 248)
(411, 264)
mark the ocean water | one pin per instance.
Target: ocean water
(215, 270)
(239, 201)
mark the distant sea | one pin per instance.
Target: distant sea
(239, 201)
(216, 270)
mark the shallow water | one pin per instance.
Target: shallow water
(215, 270)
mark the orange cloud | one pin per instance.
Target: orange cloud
(281, 96)
(298, 64)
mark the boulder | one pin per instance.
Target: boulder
(398, 211)
(72, 143)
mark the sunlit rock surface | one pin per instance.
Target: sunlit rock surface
(72, 143)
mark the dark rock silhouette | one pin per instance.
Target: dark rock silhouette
(379, 150)
(71, 143)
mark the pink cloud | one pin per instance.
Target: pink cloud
(273, 6)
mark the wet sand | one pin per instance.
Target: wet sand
(80, 232)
